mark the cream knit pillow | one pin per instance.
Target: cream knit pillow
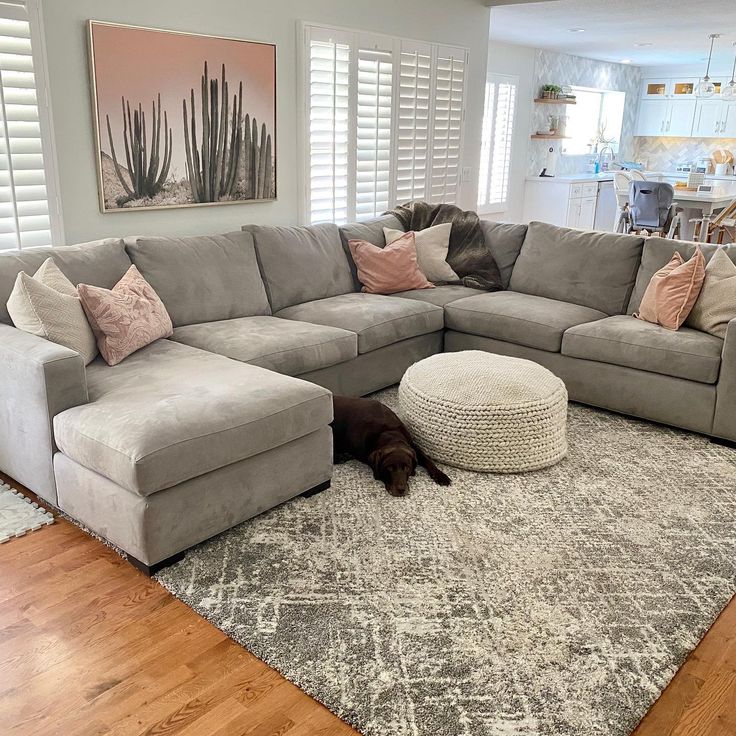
(432, 245)
(47, 305)
(716, 305)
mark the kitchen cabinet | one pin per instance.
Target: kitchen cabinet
(564, 203)
(715, 119)
(677, 88)
(666, 117)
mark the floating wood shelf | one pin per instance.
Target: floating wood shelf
(555, 101)
(550, 136)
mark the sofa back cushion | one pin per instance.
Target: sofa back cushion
(504, 240)
(371, 231)
(301, 264)
(202, 278)
(99, 262)
(657, 254)
(593, 269)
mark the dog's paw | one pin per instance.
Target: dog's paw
(440, 478)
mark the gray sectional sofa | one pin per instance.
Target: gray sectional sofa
(230, 416)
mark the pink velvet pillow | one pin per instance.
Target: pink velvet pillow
(673, 291)
(125, 318)
(390, 269)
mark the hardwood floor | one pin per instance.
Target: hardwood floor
(90, 646)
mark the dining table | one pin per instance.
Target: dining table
(701, 206)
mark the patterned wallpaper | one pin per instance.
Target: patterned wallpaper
(663, 154)
(552, 67)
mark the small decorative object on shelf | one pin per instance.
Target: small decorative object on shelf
(551, 91)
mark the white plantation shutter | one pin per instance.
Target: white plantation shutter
(412, 150)
(24, 208)
(373, 132)
(385, 123)
(329, 67)
(447, 124)
(497, 135)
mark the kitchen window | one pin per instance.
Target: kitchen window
(384, 123)
(496, 141)
(28, 204)
(596, 118)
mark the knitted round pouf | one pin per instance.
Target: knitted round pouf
(487, 412)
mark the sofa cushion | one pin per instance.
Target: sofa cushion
(504, 240)
(377, 320)
(593, 269)
(623, 340)
(281, 345)
(369, 230)
(299, 264)
(440, 295)
(203, 278)
(171, 412)
(658, 252)
(100, 263)
(523, 319)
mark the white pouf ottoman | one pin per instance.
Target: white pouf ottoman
(487, 412)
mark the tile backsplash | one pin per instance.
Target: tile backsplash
(663, 154)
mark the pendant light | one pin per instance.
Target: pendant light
(706, 88)
(729, 91)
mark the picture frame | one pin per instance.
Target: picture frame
(181, 119)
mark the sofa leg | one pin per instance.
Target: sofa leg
(317, 489)
(153, 569)
(721, 441)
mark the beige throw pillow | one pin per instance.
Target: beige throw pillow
(47, 305)
(432, 245)
(716, 305)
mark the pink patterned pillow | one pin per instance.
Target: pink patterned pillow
(125, 318)
(390, 269)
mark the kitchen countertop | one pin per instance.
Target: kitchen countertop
(574, 178)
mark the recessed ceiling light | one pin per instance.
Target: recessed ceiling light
(625, 61)
(644, 45)
(576, 30)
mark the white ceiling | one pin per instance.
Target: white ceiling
(677, 29)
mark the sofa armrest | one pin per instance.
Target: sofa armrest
(724, 420)
(38, 379)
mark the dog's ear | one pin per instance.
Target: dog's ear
(374, 460)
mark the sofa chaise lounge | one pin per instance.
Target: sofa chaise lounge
(230, 416)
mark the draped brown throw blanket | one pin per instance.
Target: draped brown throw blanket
(468, 255)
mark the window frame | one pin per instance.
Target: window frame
(361, 39)
(30, 11)
(486, 208)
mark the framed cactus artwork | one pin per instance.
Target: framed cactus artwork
(181, 119)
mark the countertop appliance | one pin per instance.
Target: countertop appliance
(704, 165)
(684, 168)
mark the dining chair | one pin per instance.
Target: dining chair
(724, 223)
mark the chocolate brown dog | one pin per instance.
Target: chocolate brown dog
(370, 432)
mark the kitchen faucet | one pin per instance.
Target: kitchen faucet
(612, 156)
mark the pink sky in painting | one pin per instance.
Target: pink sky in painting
(138, 64)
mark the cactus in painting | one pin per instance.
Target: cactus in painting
(146, 171)
(230, 163)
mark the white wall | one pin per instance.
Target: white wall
(461, 22)
(518, 61)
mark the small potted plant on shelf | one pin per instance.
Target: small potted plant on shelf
(551, 91)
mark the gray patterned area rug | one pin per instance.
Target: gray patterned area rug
(559, 602)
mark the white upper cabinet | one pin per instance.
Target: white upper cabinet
(715, 119)
(665, 117)
(669, 89)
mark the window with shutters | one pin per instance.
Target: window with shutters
(384, 122)
(25, 214)
(496, 139)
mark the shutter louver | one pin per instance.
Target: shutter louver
(447, 126)
(498, 125)
(385, 123)
(373, 132)
(24, 211)
(412, 150)
(329, 64)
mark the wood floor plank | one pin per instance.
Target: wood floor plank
(91, 647)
